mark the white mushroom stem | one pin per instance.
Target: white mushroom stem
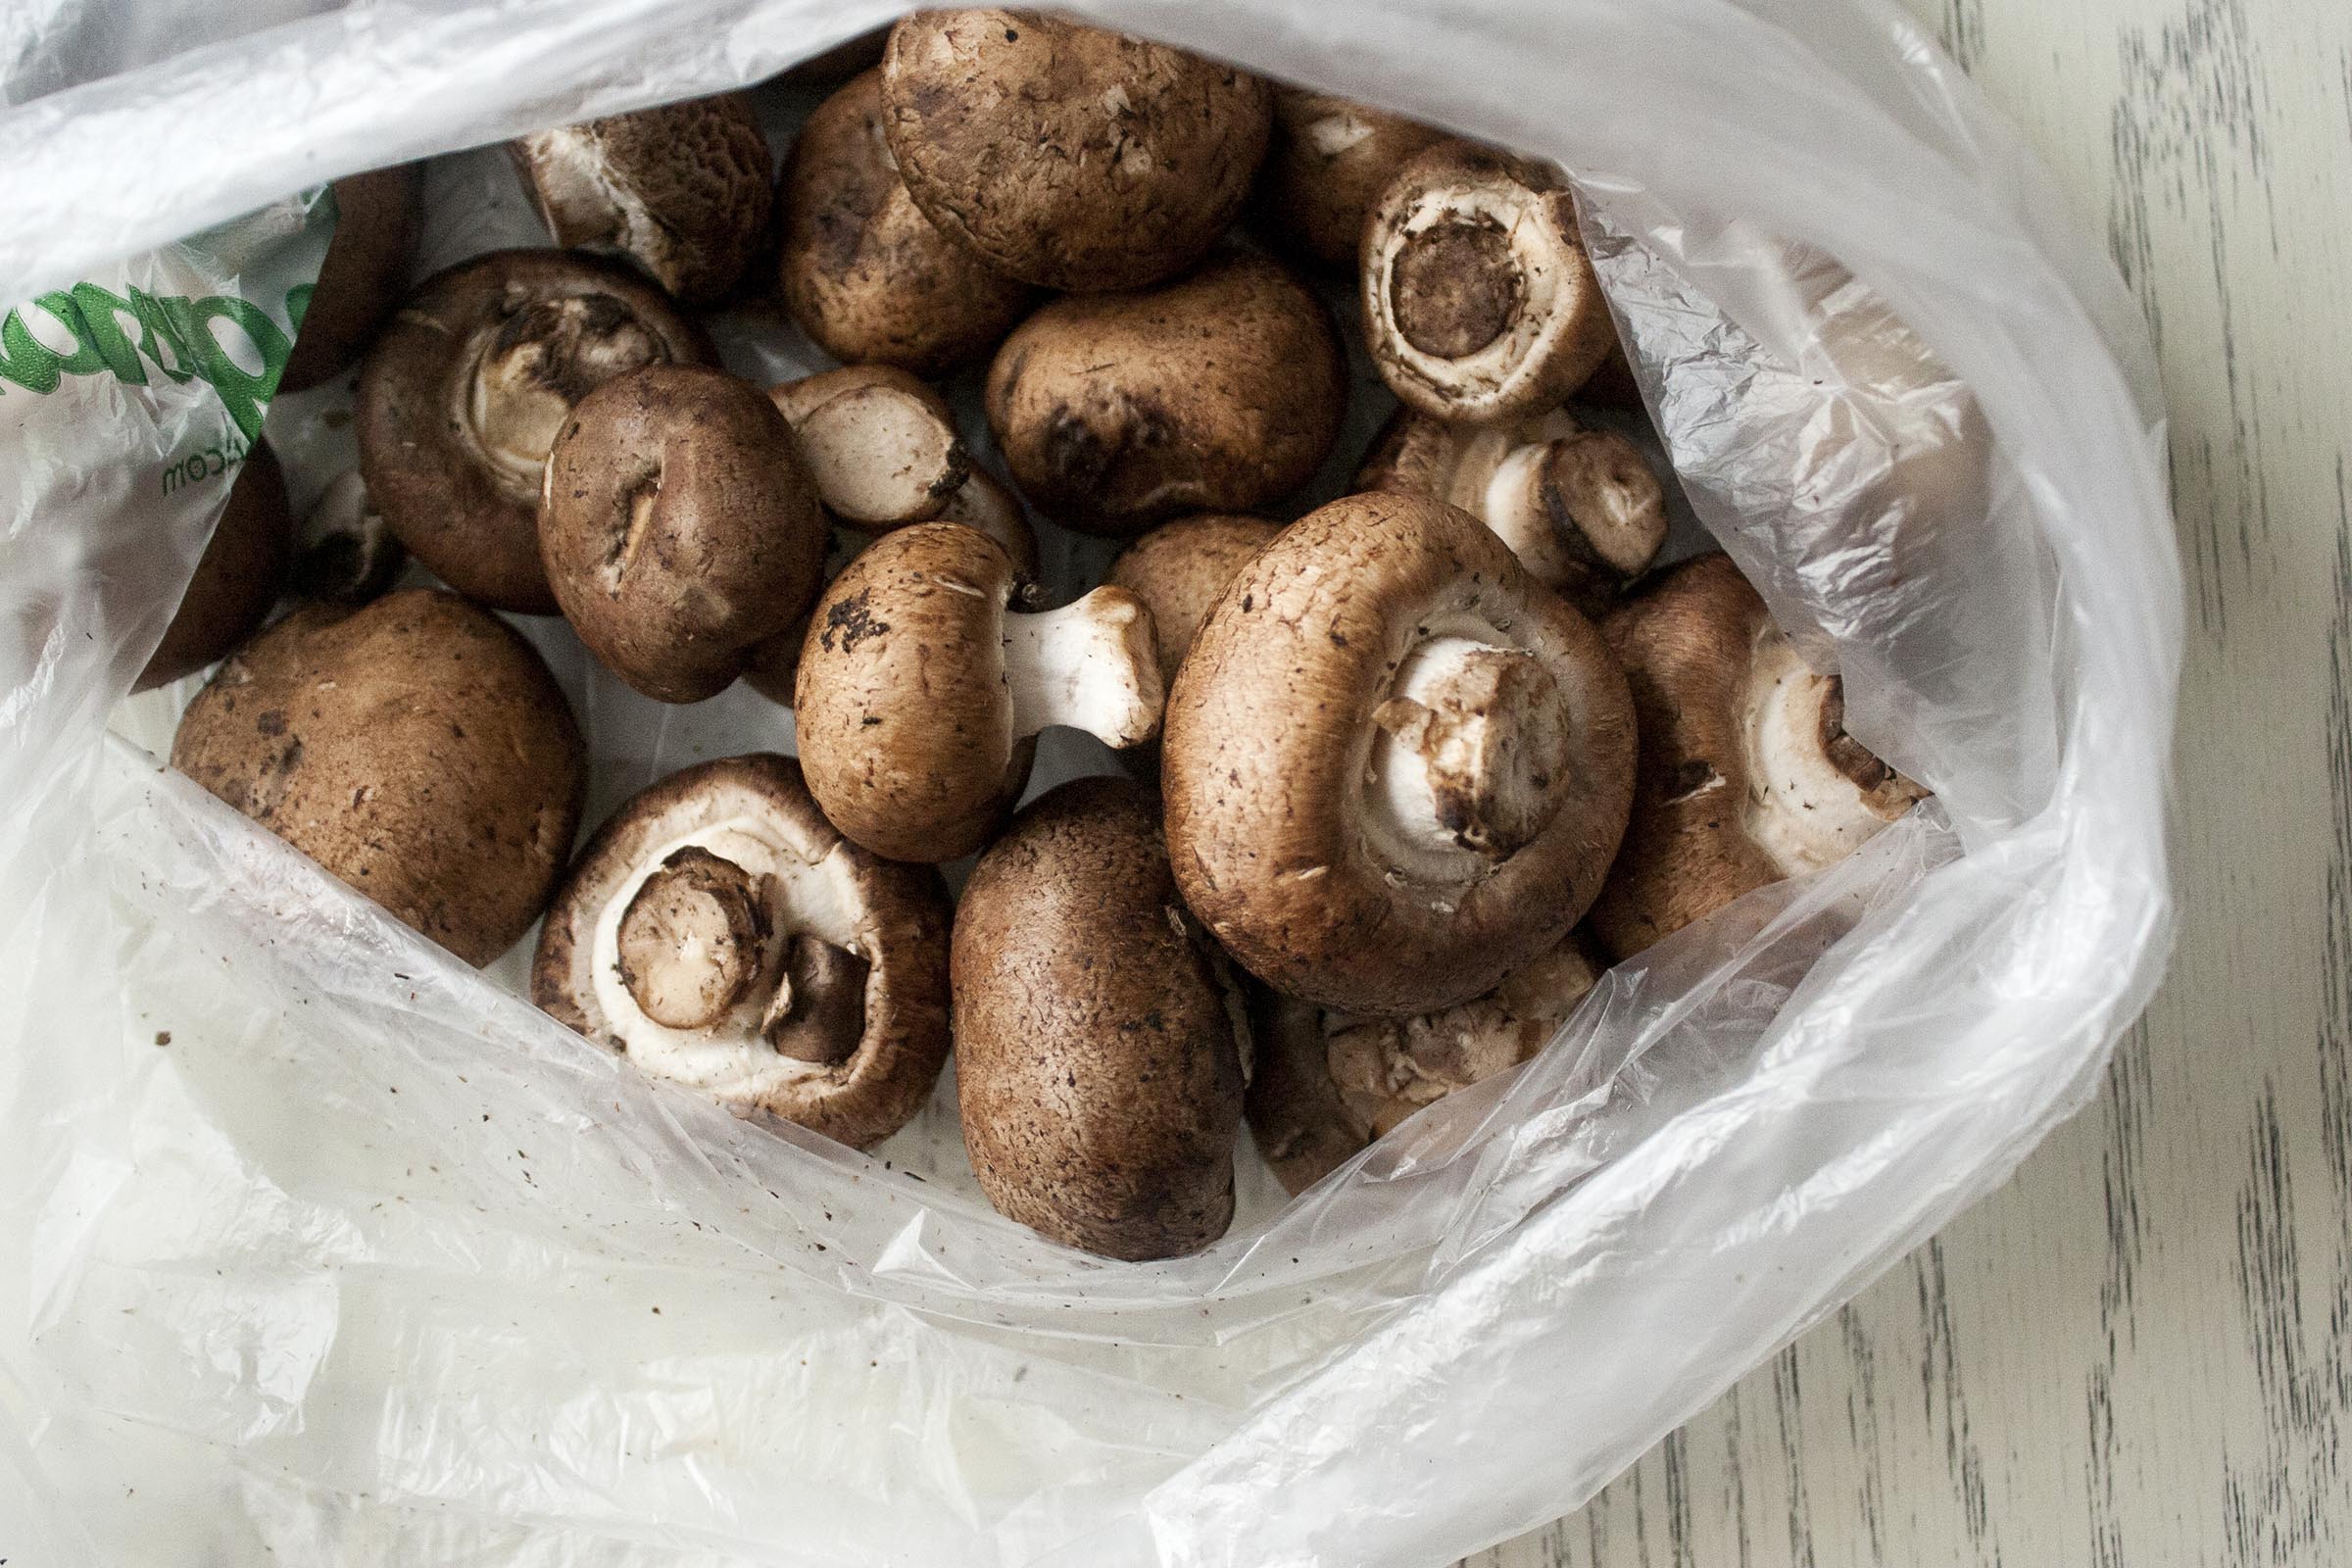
(1090, 666)
(547, 357)
(1473, 752)
(881, 454)
(1569, 506)
(1815, 794)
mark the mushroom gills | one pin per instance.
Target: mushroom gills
(540, 362)
(1472, 754)
(1818, 794)
(1090, 666)
(725, 937)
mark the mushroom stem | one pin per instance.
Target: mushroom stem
(1818, 794)
(1473, 754)
(694, 939)
(1090, 666)
(1582, 502)
(819, 1014)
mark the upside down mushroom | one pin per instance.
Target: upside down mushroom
(1395, 766)
(1329, 1083)
(920, 691)
(1479, 299)
(1746, 775)
(719, 933)
(1101, 1048)
(469, 387)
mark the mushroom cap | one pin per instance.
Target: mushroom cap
(679, 529)
(1328, 1084)
(416, 749)
(237, 578)
(1746, 775)
(467, 389)
(1099, 1052)
(1479, 304)
(379, 215)
(881, 444)
(983, 502)
(867, 276)
(1581, 508)
(1066, 156)
(904, 715)
(811, 881)
(1180, 569)
(1278, 825)
(684, 190)
(1327, 163)
(1222, 392)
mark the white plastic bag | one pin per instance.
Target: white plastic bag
(323, 1246)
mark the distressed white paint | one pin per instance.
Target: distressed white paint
(2140, 1355)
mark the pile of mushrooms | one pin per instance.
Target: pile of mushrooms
(1394, 768)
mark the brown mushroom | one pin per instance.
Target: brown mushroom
(719, 932)
(881, 445)
(1220, 393)
(1099, 1050)
(1326, 165)
(867, 276)
(379, 215)
(1582, 510)
(918, 693)
(416, 749)
(1397, 766)
(1180, 569)
(1066, 156)
(1479, 300)
(983, 502)
(1746, 773)
(237, 577)
(466, 389)
(679, 530)
(1328, 1084)
(684, 190)
(342, 550)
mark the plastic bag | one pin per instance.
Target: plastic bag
(321, 1245)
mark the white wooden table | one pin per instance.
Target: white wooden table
(2139, 1353)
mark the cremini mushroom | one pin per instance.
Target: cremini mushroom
(1746, 773)
(719, 932)
(1327, 163)
(1100, 1052)
(1582, 510)
(983, 502)
(379, 215)
(1395, 766)
(679, 529)
(1066, 156)
(880, 444)
(918, 691)
(466, 389)
(867, 276)
(1327, 1084)
(1479, 300)
(416, 749)
(684, 190)
(1179, 569)
(1222, 392)
(237, 577)
(342, 550)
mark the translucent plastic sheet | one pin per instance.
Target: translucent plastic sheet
(315, 1243)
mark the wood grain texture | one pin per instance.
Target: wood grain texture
(2139, 1353)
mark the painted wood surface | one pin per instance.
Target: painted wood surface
(2139, 1353)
